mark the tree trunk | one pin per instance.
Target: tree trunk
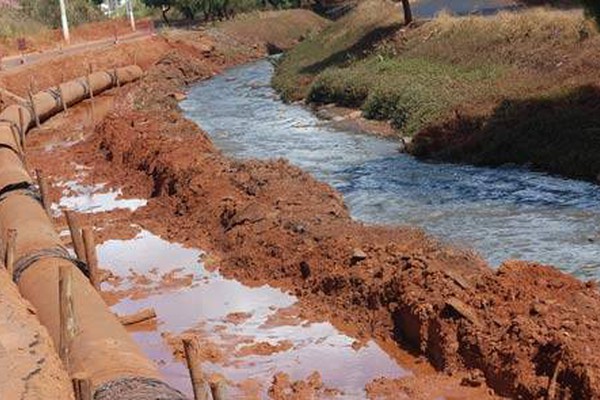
(165, 9)
(408, 18)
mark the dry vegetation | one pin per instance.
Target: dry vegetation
(466, 87)
(276, 27)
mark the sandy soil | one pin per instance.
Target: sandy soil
(525, 330)
(31, 369)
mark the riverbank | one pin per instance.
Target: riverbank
(516, 88)
(271, 223)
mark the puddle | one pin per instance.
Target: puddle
(80, 118)
(206, 304)
(93, 198)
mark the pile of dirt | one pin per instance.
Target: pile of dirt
(525, 330)
(29, 363)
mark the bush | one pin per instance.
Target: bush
(48, 12)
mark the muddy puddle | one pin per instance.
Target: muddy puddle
(504, 213)
(81, 118)
(237, 321)
(251, 333)
(91, 198)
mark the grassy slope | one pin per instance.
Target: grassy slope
(336, 45)
(280, 28)
(518, 87)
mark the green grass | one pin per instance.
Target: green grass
(14, 23)
(520, 87)
(339, 44)
(410, 92)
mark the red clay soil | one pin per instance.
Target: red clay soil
(53, 38)
(30, 367)
(526, 330)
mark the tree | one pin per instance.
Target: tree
(408, 18)
(164, 5)
(592, 8)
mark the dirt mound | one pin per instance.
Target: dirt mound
(526, 330)
(29, 363)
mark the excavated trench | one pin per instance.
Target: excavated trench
(253, 332)
(269, 222)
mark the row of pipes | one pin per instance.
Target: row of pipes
(100, 347)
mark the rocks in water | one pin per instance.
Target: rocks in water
(405, 143)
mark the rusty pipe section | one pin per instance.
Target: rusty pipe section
(100, 346)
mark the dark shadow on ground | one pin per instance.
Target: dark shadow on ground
(358, 50)
(557, 134)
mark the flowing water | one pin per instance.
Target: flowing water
(503, 213)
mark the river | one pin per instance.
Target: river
(503, 213)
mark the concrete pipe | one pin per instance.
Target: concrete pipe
(12, 173)
(49, 102)
(100, 348)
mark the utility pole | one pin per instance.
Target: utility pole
(131, 16)
(65, 23)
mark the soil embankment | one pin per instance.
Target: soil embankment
(28, 360)
(519, 87)
(28, 357)
(525, 330)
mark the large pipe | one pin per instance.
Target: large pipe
(101, 348)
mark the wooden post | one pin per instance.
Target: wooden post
(9, 259)
(91, 90)
(76, 236)
(65, 304)
(91, 257)
(199, 385)
(62, 97)
(82, 387)
(17, 139)
(140, 316)
(35, 114)
(219, 389)
(43, 185)
(22, 127)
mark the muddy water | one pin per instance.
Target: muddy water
(503, 213)
(205, 304)
(204, 307)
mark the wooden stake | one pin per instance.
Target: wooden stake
(67, 319)
(91, 257)
(43, 185)
(17, 139)
(9, 260)
(22, 126)
(117, 78)
(219, 389)
(76, 236)
(199, 385)
(62, 97)
(82, 387)
(35, 114)
(90, 86)
(140, 316)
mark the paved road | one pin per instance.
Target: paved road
(12, 62)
